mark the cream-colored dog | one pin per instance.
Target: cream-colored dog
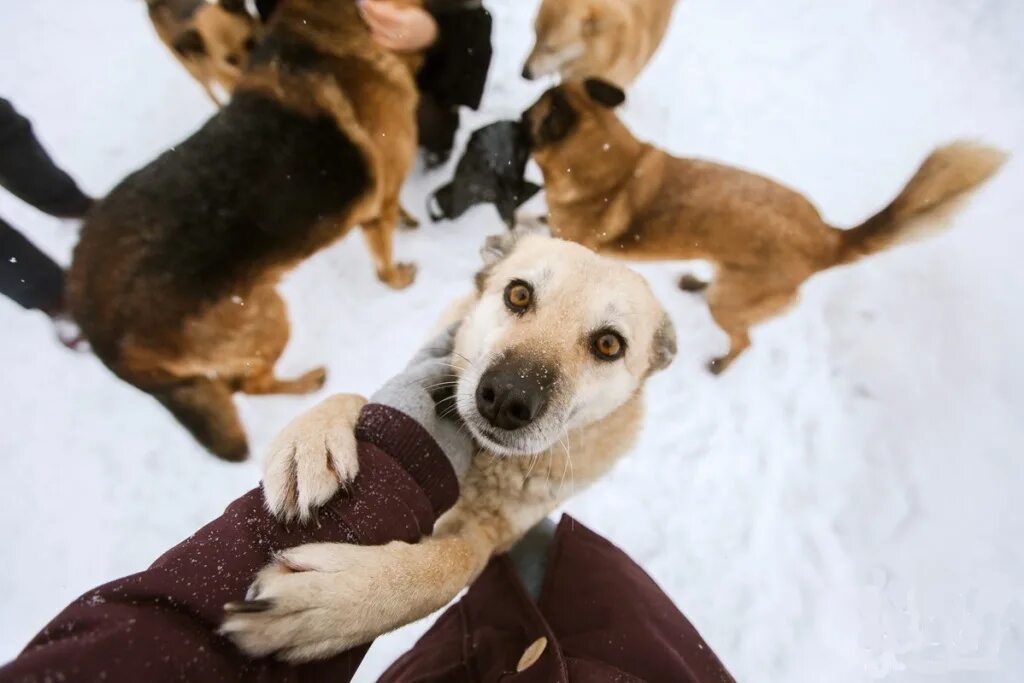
(609, 39)
(578, 335)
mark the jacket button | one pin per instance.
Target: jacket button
(532, 654)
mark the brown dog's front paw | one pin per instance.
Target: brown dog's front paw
(400, 276)
(407, 221)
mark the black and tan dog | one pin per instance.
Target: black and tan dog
(212, 40)
(173, 279)
(620, 196)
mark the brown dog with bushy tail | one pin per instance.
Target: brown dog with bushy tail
(173, 281)
(622, 197)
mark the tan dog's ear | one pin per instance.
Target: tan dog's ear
(663, 346)
(604, 93)
(234, 6)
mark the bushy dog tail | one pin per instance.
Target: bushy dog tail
(948, 175)
(207, 411)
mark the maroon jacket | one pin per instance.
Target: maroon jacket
(161, 624)
(601, 617)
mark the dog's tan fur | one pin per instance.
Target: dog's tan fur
(623, 197)
(329, 597)
(212, 41)
(609, 39)
(160, 331)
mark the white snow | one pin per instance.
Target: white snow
(845, 504)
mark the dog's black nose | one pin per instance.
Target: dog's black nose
(510, 399)
(527, 74)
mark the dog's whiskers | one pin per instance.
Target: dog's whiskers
(441, 384)
(565, 441)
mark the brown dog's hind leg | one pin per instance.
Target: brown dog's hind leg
(738, 301)
(206, 410)
(408, 221)
(267, 383)
(739, 340)
(379, 234)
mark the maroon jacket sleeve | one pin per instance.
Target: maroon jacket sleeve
(161, 624)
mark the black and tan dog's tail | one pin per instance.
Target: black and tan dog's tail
(948, 175)
(207, 411)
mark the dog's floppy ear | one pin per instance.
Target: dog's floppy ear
(189, 43)
(663, 346)
(604, 93)
(234, 6)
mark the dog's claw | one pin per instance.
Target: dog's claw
(248, 606)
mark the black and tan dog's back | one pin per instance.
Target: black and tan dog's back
(173, 279)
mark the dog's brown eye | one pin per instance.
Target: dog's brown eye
(250, 44)
(608, 345)
(233, 60)
(518, 296)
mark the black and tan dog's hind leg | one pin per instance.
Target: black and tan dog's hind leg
(408, 221)
(379, 234)
(268, 383)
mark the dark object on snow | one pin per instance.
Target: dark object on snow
(490, 171)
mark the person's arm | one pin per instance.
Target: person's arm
(162, 624)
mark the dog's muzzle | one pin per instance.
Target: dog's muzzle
(514, 392)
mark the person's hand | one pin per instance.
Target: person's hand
(398, 27)
(425, 391)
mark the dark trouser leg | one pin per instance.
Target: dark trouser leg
(28, 172)
(27, 275)
(438, 124)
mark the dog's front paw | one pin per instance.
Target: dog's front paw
(313, 602)
(399, 276)
(312, 458)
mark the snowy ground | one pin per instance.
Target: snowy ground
(844, 505)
